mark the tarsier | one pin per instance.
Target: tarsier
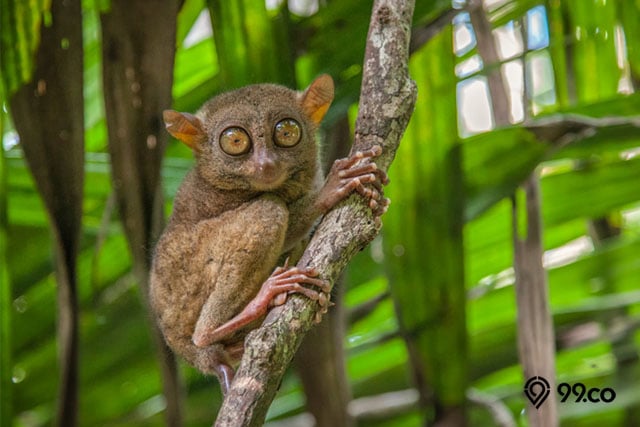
(255, 192)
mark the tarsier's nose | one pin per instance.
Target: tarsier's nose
(267, 168)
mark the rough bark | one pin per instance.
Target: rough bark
(387, 100)
(48, 115)
(138, 43)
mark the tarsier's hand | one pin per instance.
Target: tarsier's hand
(359, 173)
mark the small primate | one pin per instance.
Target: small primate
(256, 190)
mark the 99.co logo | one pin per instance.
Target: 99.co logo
(537, 389)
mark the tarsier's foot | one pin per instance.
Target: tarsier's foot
(353, 174)
(283, 280)
(323, 297)
(225, 374)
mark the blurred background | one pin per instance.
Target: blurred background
(527, 114)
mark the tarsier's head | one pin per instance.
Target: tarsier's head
(256, 137)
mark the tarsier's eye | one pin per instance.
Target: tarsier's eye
(287, 133)
(235, 141)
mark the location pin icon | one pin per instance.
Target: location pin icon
(537, 390)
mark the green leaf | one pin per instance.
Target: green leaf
(629, 14)
(426, 218)
(596, 188)
(495, 163)
(19, 39)
(592, 31)
(6, 365)
(249, 46)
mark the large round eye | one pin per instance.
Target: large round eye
(287, 133)
(235, 141)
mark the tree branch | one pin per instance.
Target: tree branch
(387, 101)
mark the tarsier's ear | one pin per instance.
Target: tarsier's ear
(316, 99)
(185, 127)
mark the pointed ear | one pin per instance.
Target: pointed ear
(316, 99)
(185, 127)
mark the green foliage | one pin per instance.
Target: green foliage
(593, 282)
(6, 364)
(19, 38)
(252, 46)
(426, 219)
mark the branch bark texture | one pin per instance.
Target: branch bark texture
(387, 100)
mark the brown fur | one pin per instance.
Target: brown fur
(229, 227)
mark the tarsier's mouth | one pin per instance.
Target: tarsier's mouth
(268, 181)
